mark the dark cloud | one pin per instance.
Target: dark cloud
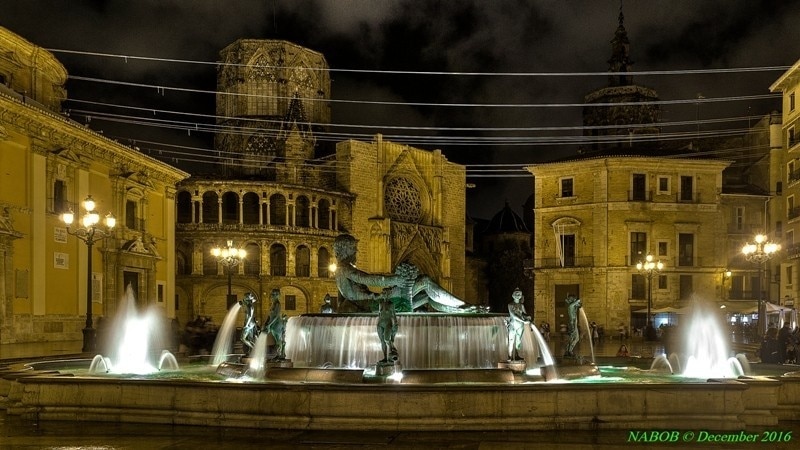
(428, 35)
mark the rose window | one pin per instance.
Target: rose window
(402, 201)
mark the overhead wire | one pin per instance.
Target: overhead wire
(420, 72)
(409, 139)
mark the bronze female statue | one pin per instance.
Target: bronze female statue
(275, 325)
(250, 330)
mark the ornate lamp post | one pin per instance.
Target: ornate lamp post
(760, 252)
(648, 267)
(229, 257)
(89, 233)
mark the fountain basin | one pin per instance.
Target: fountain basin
(481, 406)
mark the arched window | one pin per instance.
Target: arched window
(181, 264)
(250, 206)
(184, 204)
(230, 207)
(210, 207)
(252, 262)
(323, 211)
(323, 261)
(209, 261)
(277, 210)
(301, 212)
(302, 262)
(277, 260)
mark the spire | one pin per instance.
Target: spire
(620, 62)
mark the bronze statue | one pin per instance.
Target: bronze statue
(573, 305)
(516, 322)
(327, 307)
(250, 330)
(405, 283)
(387, 328)
(275, 325)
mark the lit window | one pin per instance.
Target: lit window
(567, 187)
(663, 185)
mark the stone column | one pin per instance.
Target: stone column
(241, 207)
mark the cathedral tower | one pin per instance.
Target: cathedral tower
(621, 113)
(272, 96)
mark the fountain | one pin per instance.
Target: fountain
(141, 337)
(448, 377)
(704, 351)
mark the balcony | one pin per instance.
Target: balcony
(742, 295)
(688, 197)
(246, 228)
(794, 176)
(744, 229)
(792, 144)
(555, 263)
(793, 251)
(640, 195)
(793, 213)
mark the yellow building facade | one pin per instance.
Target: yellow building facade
(49, 164)
(596, 218)
(786, 207)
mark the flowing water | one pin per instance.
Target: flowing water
(223, 345)
(423, 341)
(138, 341)
(588, 336)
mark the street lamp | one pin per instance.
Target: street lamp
(89, 233)
(648, 267)
(760, 252)
(229, 257)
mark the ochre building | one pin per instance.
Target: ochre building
(48, 165)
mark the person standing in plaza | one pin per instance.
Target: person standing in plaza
(784, 340)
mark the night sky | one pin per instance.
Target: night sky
(482, 52)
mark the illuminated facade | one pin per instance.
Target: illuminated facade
(285, 205)
(596, 218)
(49, 165)
(785, 177)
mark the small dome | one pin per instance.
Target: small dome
(506, 221)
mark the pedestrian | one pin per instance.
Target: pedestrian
(784, 341)
(768, 352)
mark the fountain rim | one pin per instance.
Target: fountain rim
(403, 314)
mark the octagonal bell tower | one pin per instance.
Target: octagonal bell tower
(272, 97)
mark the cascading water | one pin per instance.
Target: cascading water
(223, 345)
(423, 341)
(585, 322)
(258, 366)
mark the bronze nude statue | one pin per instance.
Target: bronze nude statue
(573, 305)
(275, 325)
(387, 329)
(327, 307)
(516, 322)
(417, 290)
(250, 330)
